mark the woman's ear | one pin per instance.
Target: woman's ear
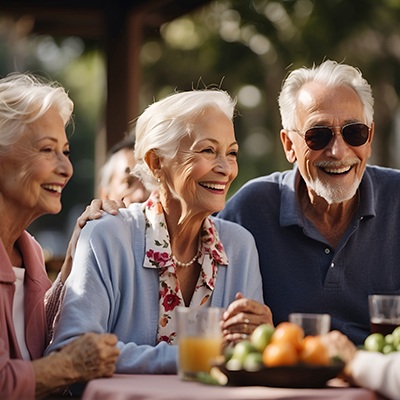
(152, 159)
(288, 146)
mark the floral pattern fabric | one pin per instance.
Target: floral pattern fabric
(158, 255)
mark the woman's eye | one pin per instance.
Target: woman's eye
(51, 150)
(234, 153)
(208, 150)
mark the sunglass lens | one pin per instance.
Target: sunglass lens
(356, 134)
(318, 138)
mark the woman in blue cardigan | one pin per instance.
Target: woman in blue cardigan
(132, 270)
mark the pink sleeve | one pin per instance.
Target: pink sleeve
(17, 379)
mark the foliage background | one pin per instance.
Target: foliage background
(244, 47)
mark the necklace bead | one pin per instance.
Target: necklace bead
(187, 264)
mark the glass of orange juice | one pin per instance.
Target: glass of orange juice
(199, 339)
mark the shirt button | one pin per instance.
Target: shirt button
(332, 265)
(327, 251)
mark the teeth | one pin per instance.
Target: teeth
(338, 170)
(54, 188)
(213, 186)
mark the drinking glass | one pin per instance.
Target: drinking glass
(199, 339)
(384, 313)
(312, 324)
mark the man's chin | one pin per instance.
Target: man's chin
(334, 195)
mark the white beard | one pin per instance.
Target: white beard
(333, 194)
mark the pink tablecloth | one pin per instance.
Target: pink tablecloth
(170, 387)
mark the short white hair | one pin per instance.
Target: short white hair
(24, 98)
(108, 169)
(164, 123)
(330, 73)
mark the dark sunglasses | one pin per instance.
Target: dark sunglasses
(319, 137)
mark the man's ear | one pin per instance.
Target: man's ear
(152, 159)
(370, 138)
(288, 148)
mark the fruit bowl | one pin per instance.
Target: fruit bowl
(295, 376)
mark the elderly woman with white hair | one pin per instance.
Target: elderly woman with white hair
(34, 169)
(132, 270)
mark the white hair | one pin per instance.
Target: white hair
(164, 123)
(24, 98)
(330, 73)
(107, 171)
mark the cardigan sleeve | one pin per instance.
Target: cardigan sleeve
(243, 271)
(109, 291)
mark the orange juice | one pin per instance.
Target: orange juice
(196, 354)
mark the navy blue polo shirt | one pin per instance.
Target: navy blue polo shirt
(301, 272)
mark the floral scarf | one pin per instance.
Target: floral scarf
(158, 255)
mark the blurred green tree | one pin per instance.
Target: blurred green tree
(244, 47)
(248, 47)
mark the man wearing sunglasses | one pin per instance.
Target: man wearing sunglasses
(327, 231)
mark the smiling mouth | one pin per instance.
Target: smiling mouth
(337, 171)
(53, 188)
(213, 186)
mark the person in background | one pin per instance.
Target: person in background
(132, 270)
(116, 181)
(369, 369)
(326, 230)
(34, 169)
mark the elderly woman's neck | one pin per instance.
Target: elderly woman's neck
(184, 228)
(11, 229)
(9, 240)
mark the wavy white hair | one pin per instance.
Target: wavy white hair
(164, 123)
(24, 98)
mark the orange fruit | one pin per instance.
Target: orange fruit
(280, 353)
(314, 351)
(290, 333)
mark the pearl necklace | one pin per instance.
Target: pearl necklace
(189, 263)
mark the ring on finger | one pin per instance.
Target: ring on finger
(245, 327)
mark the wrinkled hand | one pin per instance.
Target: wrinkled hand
(340, 345)
(93, 211)
(92, 355)
(89, 356)
(242, 317)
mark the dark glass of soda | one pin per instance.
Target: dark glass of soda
(384, 311)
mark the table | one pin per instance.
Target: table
(170, 387)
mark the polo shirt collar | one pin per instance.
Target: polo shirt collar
(290, 213)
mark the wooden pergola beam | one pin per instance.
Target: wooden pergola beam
(119, 26)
